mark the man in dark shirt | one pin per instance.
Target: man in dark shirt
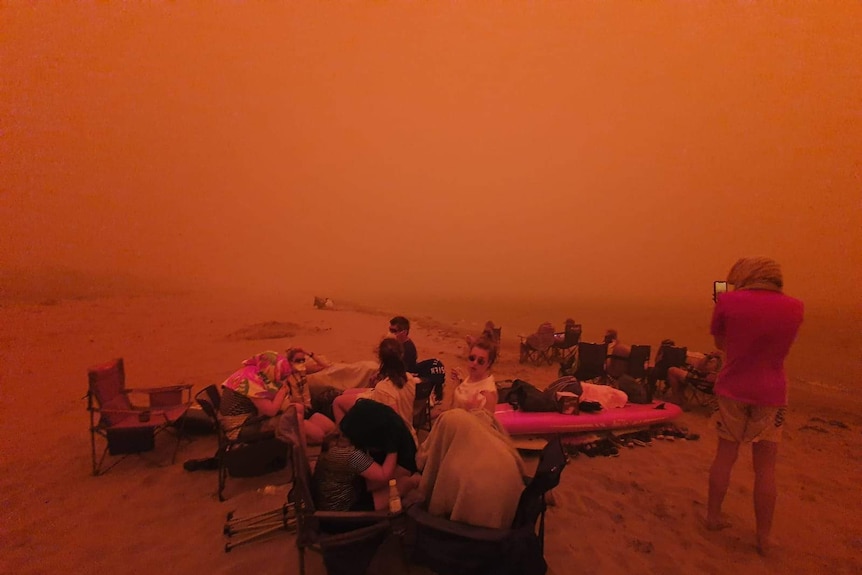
(399, 327)
(430, 371)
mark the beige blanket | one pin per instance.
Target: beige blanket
(344, 376)
(472, 473)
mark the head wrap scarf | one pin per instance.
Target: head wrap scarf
(756, 273)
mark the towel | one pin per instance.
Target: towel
(756, 273)
(472, 471)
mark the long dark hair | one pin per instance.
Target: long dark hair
(391, 355)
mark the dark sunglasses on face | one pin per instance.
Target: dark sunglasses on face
(479, 360)
(394, 330)
(298, 360)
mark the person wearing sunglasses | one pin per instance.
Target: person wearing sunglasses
(254, 396)
(399, 328)
(478, 389)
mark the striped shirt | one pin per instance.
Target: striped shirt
(337, 479)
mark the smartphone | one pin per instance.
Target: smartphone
(717, 288)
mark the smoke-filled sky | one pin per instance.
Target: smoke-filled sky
(516, 148)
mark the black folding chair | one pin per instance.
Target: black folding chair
(667, 356)
(459, 549)
(591, 360)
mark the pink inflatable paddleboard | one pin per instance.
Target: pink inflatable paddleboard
(537, 423)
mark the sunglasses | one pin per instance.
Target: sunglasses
(298, 360)
(395, 330)
(479, 360)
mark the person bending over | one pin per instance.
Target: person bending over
(346, 477)
(376, 429)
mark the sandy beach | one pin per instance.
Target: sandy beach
(636, 513)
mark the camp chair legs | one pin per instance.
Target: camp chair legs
(700, 392)
(254, 527)
(127, 428)
(135, 441)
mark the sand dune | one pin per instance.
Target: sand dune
(639, 512)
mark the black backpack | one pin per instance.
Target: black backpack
(524, 396)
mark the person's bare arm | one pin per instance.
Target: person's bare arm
(319, 363)
(490, 400)
(381, 473)
(270, 407)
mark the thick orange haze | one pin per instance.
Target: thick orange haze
(521, 148)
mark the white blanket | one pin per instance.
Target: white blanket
(604, 394)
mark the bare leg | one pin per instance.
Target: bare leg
(719, 481)
(676, 380)
(764, 455)
(342, 404)
(317, 427)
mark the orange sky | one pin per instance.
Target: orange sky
(571, 147)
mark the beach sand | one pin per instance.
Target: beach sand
(636, 513)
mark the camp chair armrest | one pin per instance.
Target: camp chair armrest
(163, 389)
(249, 421)
(456, 528)
(356, 516)
(111, 411)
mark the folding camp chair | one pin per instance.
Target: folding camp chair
(240, 457)
(700, 390)
(348, 540)
(638, 362)
(125, 427)
(432, 377)
(457, 548)
(700, 382)
(422, 405)
(566, 343)
(591, 360)
(667, 356)
(538, 347)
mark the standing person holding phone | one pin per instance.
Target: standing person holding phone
(755, 325)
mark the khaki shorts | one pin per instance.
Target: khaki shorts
(743, 422)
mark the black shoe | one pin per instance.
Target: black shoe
(208, 463)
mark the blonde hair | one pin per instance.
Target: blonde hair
(756, 273)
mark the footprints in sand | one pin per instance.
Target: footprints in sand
(820, 425)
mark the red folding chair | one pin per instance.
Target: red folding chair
(127, 428)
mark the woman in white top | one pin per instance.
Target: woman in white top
(478, 390)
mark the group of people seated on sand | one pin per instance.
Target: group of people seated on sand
(367, 436)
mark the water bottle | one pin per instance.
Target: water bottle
(394, 498)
